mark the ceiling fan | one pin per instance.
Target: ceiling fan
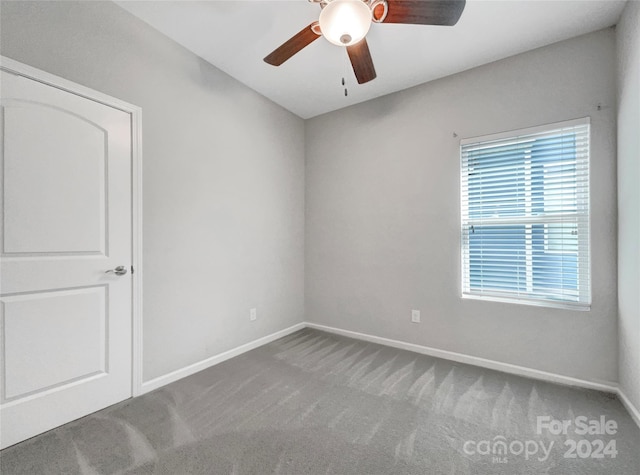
(346, 23)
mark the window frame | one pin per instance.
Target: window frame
(507, 297)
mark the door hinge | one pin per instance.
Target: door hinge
(132, 269)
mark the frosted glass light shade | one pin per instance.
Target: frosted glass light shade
(345, 22)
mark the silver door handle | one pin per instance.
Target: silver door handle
(120, 270)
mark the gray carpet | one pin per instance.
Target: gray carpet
(317, 403)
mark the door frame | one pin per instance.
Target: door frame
(20, 69)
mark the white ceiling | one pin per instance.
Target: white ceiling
(236, 35)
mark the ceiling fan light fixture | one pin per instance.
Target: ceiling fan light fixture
(345, 22)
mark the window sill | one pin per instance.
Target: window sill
(580, 307)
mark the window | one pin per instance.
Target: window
(525, 216)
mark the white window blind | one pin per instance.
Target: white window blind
(525, 216)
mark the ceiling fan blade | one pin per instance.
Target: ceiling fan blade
(361, 61)
(425, 12)
(294, 44)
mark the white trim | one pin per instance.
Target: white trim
(609, 387)
(497, 297)
(516, 133)
(626, 402)
(12, 66)
(216, 359)
(15, 67)
(136, 249)
(606, 386)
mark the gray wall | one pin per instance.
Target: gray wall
(383, 218)
(223, 177)
(224, 195)
(628, 35)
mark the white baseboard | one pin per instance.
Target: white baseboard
(214, 360)
(633, 410)
(474, 360)
(609, 387)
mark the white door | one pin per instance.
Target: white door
(66, 206)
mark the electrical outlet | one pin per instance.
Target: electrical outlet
(253, 314)
(415, 316)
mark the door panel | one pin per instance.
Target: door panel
(65, 330)
(60, 214)
(33, 359)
